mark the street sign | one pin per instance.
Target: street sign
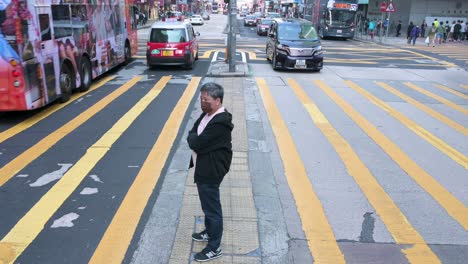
(383, 7)
(390, 7)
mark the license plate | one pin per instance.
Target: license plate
(339, 31)
(300, 64)
(168, 53)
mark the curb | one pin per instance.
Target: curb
(221, 69)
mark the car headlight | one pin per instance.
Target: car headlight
(318, 50)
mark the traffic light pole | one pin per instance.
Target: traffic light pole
(232, 35)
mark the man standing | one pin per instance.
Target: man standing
(398, 28)
(210, 140)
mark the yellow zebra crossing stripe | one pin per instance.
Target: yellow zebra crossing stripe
(22, 160)
(449, 122)
(396, 222)
(454, 207)
(447, 89)
(438, 143)
(319, 234)
(49, 111)
(28, 227)
(438, 98)
(119, 233)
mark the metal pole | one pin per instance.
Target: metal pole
(388, 26)
(381, 28)
(232, 35)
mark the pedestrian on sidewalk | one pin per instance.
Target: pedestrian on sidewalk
(408, 32)
(210, 140)
(398, 28)
(431, 34)
(414, 34)
(372, 29)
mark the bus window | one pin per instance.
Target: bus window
(44, 25)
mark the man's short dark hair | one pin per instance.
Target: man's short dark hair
(214, 90)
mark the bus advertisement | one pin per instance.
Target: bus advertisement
(48, 48)
(215, 7)
(332, 18)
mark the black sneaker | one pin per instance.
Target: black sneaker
(200, 237)
(206, 254)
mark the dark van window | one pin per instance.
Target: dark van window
(297, 32)
(165, 35)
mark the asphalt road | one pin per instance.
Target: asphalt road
(402, 113)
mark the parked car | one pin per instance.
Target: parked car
(294, 44)
(206, 16)
(249, 20)
(263, 26)
(172, 44)
(196, 20)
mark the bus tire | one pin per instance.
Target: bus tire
(66, 83)
(86, 74)
(128, 53)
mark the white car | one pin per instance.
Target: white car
(196, 19)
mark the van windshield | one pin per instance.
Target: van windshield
(166, 35)
(297, 32)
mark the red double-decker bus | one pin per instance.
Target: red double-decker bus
(48, 48)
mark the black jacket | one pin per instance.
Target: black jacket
(213, 147)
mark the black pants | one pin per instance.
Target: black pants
(211, 206)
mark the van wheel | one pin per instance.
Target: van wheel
(66, 83)
(267, 57)
(86, 75)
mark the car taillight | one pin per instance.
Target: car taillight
(15, 73)
(13, 63)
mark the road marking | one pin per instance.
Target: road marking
(448, 201)
(48, 111)
(30, 225)
(464, 86)
(115, 242)
(318, 232)
(139, 57)
(447, 64)
(430, 138)
(438, 98)
(252, 55)
(426, 109)
(243, 57)
(22, 160)
(447, 89)
(397, 223)
(215, 57)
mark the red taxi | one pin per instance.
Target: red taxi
(172, 43)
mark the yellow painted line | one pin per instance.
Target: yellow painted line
(114, 243)
(430, 138)
(318, 232)
(206, 55)
(27, 229)
(450, 203)
(438, 98)
(48, 111)
(22, 160)
(426, 109)
(447, 64)
(396, 222)
(452, 91)
(139, 57)
(252, 55)
(464, 86)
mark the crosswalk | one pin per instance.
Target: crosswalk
(395, 140)
(373, 186)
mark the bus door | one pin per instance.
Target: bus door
(49, 52)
